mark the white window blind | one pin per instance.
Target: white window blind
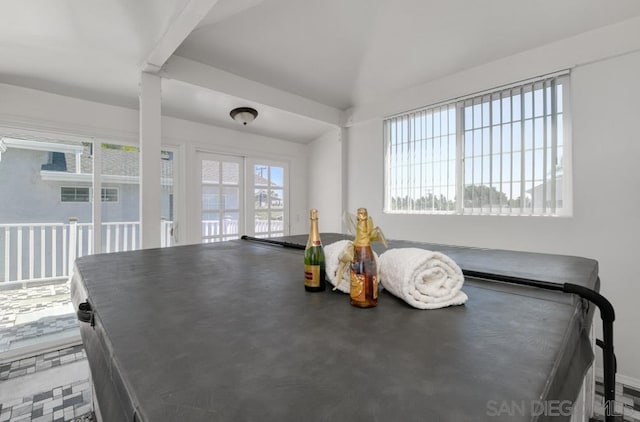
(503, 152)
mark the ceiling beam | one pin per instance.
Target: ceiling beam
(177, 31)
(198, 74)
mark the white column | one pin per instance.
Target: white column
(150, 146)
(73, 244)
(96, 205)
(344, 174)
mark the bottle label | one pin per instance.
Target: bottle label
(374, 279)
(357, 287)
(357, 291)
(312, 275)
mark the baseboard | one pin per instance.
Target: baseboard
(622, 379)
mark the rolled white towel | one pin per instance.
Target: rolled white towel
(424, 279)
(333, 253)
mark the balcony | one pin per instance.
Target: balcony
(35, 263)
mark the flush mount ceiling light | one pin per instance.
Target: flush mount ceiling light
(244, 115)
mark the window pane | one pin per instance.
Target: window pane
(230, 173)
(109, 195)
(230, 223)
(166, 198)
(211, 199)
(262, 222)
(261, 197)
(277, 177)
(210, 171)
(261, 175)
(277, 221)
(275, 198)
(120, 217)
(210, 224)
(230, 198)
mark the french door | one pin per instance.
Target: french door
(221, 197)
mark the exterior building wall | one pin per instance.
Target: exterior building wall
(26, 198)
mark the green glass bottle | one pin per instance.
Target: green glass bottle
(314, 263)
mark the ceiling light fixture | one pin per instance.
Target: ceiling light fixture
(244, 115)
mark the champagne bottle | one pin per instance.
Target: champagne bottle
(314, 263)
(364, 273)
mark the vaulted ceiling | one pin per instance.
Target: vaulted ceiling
(336, 53)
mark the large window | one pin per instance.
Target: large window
(503, 152)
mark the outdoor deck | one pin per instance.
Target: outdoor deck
(35, 313)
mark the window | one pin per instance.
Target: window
(109, 194)
(76, 194)
(503, 152)
(269, 200)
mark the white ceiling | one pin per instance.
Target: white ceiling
(336, 52)
(342, 53)
(88, 49)
(190, 102)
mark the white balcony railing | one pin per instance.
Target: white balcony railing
(34, 251)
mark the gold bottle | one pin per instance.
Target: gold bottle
(364, 273)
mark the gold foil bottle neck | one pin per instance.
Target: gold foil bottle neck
(362, 228)
(362, 214)
(313, 214)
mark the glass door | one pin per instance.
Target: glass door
(269, 198)
(221, 193)
(168, 194)
(45, 221)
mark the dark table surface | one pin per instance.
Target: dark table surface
(226, 332)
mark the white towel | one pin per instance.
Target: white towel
(332, 262)
(332, 256)
(424, 279)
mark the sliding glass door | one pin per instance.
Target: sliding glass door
(49, 216)
(45, 219)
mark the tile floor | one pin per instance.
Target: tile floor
(68, 400)
(35, 311)
(627, 401)
(41, 362)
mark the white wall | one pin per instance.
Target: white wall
(606, 149)
(324, 183)
(30, 110)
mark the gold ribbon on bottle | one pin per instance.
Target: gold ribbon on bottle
(374, 234)
(345, 257)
